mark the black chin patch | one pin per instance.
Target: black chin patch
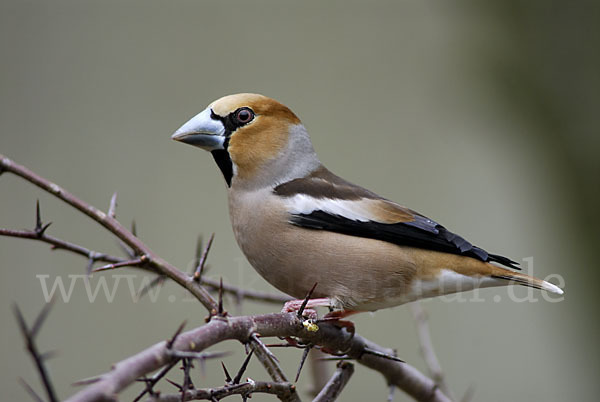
(221, 156)
(224, 163)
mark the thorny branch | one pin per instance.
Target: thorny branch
(39, 359)
(58, 244)
(241, 328)
(154, 261)
(94, 256)
(336, 383)
(129, 238)
(282, 390)
(189, 345)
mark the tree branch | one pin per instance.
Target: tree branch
(38, 358)
(60, 244)
(282, 389)
(125, 372)
(128, 238)
(57, 243)
(336, 383)
(115, 228)
(245, 329)
(267, 358)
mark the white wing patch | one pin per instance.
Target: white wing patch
(350, 209)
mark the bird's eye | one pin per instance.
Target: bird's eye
(244, 115)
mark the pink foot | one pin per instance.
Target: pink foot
(294, 305)
(339, 314)
(335, 317)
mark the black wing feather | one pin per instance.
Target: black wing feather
(422, 233)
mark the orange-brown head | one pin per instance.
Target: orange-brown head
(255, 140)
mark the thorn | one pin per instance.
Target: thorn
(220, 312)
(159, 280)
(179, 387)
(254, 337)
(31, 347)
(186, 365)
(202, 260)
(130, 263)
(198, 252)
(152, 381)
(380, 354)
(21, 322)
(126, 249)
(38, 216)
(227, 376)
(143, 379)
(86, 381)
(240, 373)
(112, 209)
(133, 228)
(39, 321)
(30, 390)
(40, 228)
(305, 302)
(149, 383)
(171, 341)
(302, 360)
(49, 355)
(43, 229)
(334, 358)
(212, 313)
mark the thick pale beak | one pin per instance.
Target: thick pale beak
(202, 131)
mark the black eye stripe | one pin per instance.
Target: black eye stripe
(227, 121)
(231, 121)
(215, 116)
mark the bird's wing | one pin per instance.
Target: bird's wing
(324, 201)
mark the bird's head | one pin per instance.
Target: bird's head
(255, 140)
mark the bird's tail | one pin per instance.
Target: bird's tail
(525, 280)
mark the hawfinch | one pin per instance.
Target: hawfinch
(299, 224)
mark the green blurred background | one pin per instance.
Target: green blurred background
(483, 116)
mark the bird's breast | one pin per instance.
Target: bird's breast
(355, 272)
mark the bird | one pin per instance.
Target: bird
(304, 228)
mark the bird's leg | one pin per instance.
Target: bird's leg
(339, 314)
(295, 305)
(307, 305)
(336, 318)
